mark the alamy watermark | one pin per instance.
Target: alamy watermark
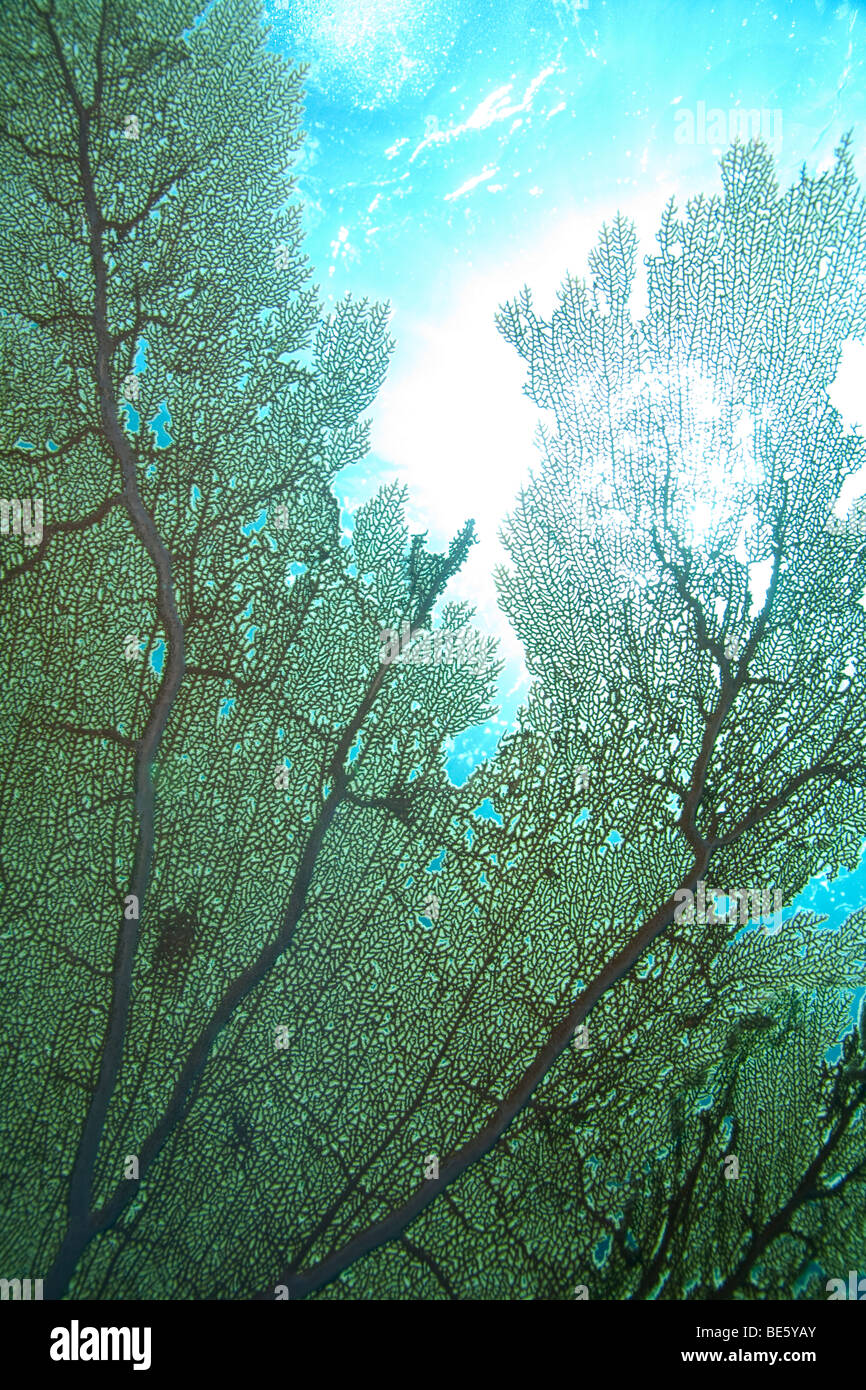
(720, 128)
(440, 648)
(23, 517)
(20, 1289)
(594, 516)
(77, 1343)
(749, 904)
(856, 1288)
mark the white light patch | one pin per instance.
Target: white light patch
(846, 394)
(374, 51)
(495, 107)
(452, 419)
(486, 173)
